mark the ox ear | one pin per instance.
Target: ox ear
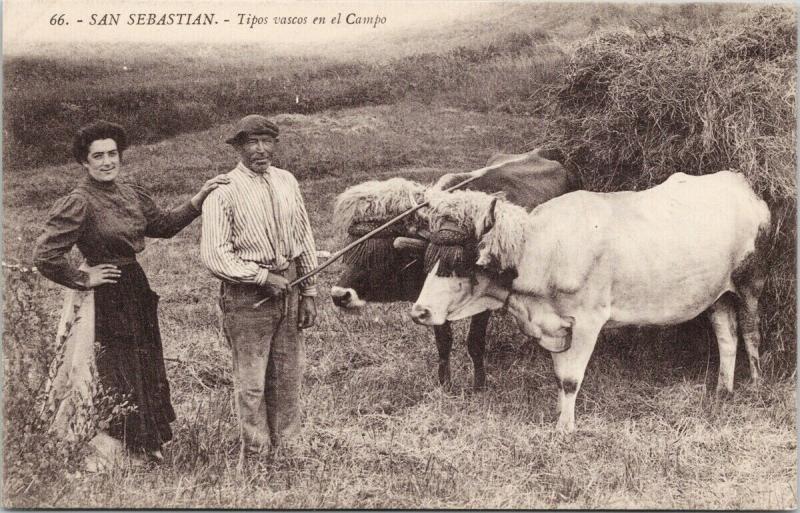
(484, 258)
(488, 219)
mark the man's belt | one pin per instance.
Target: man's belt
(282, 269)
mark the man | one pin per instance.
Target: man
(257, 238)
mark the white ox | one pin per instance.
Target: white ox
(586, 260)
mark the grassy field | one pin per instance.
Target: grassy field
(378, 431)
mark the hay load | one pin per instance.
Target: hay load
(638, 106)
(375, 202)
(364, 207)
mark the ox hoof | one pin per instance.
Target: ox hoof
(713, 402)
(474, 390)
(479, 385)
(444, 378)
(564, 427)
(723, 395)
(447, 387)
(479, 381)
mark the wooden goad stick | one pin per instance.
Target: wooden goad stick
(385, 225)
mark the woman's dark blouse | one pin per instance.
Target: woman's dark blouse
(108, 221)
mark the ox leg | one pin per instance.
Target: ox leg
(444, 342)
(747, 308)
(476, 346)
(570, 367)
(723, 320)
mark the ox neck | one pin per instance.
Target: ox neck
(505, 240)
(497, 291)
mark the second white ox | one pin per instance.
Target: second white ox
(588, 260)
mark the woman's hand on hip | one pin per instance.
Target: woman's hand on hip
(102, 274)
(205, 190)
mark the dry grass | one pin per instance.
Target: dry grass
(379, 432)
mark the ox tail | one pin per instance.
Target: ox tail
(765, 237)
(749, 279)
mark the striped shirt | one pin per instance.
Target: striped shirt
(257, 223)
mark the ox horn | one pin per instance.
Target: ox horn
(409, 243)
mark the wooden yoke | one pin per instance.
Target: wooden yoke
(477, 174)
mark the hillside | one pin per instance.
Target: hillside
(495, 59)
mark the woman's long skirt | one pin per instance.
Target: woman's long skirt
(130, 361)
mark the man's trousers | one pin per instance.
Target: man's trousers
(268, 355)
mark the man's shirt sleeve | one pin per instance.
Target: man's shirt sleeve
(216, 245)
(307, 261)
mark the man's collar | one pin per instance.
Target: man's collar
(252, 174)
(246, 170)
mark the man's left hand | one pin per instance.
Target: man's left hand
(306, 312)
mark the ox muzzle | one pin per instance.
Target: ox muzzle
(346, 298)
(421, 315)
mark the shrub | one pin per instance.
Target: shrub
(36, 463)
(636, 107)
(30, 457)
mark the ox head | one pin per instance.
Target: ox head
(461, 281)
(387, 267)
(472, 269)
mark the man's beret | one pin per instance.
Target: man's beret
(253, 124)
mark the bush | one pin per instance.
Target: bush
(32, 460)
(37, 463)
(635, 108)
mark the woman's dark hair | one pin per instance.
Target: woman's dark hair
(96, 131)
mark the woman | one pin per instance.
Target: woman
(108, 220)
